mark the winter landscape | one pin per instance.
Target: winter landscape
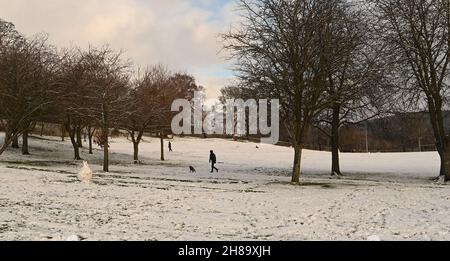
(258, 120)
(389, 196)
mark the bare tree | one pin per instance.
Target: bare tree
(355, 75)
(27, 86)
(180, 86)
(281, 52)
(144, 109)
(417, 33)
(72, 105)
(108, 85)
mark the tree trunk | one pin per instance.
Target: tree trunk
(335, 141)
(445, 160)
(247, 124)
(441, 153)
(79, 138)
(297, 164)
(63, 133)
(438, 131)
(25, 150)
(90, 143)
(72, 135)
(15, 143)
(136, 151)
(42, 129)
(105, 150)
(162, 146)
(76, 148)
(446, 166)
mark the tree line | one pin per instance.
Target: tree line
(340, 62)
(87, 91)
(330, 63)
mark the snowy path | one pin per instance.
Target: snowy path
(251, 198)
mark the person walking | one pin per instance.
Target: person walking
(170, 146)
(213, 161)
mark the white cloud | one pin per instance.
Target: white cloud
(178, 33)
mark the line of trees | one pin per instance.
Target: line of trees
(330, 63)
(86, 91)
(339, 62)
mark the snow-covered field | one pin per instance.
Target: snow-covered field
(388, 195)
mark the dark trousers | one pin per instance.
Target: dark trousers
(213, 167)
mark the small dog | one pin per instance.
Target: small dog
(192, 169)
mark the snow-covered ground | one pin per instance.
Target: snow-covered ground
(388, 195)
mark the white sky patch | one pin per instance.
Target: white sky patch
(178, 33)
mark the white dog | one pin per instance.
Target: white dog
(86, 174)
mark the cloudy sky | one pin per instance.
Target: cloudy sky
(182, 34)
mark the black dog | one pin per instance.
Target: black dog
(192, 169)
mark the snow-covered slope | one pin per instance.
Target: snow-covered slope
(245, 156)
(387, 195)
(236, 156)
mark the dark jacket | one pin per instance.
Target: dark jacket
(212, 158)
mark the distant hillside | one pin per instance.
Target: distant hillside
(400, 133)
(404, 132)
